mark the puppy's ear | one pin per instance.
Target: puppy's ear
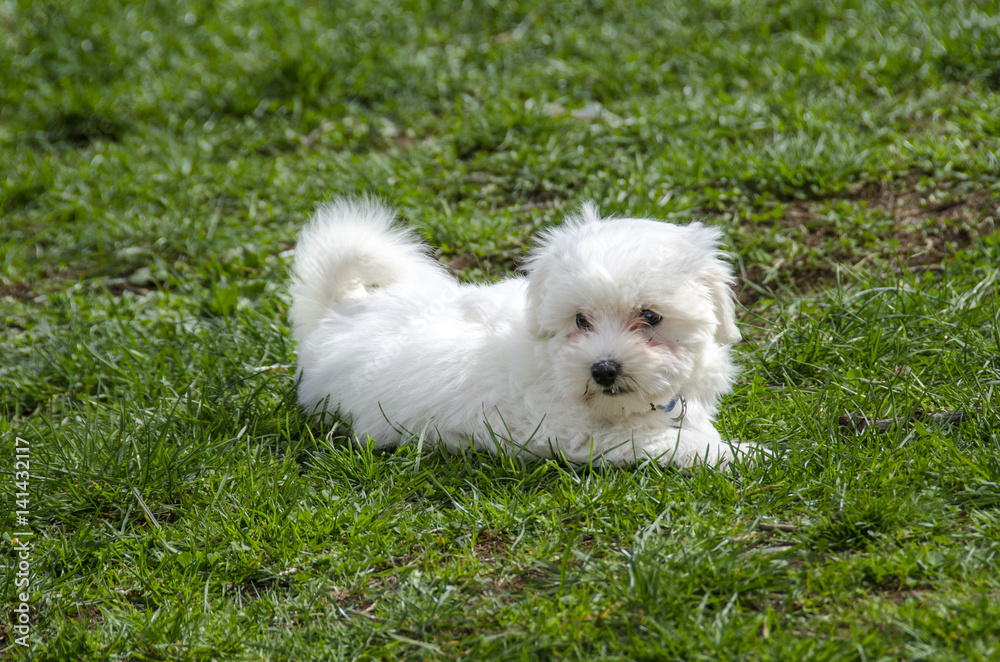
(548, 261)
(723, 300)
(717, 276)
(538, 273)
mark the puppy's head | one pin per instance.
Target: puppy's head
(634, 311)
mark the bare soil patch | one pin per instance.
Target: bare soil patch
(926, 229)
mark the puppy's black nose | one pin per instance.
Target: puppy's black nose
(606, 372)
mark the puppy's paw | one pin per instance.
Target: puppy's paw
(705, 451)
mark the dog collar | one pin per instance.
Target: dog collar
(671, 406)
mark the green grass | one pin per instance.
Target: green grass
(158, 158)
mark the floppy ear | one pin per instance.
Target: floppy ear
(550, 255)
(717, 276)
(538, 275)
(723, 300)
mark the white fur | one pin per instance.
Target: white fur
(393, 344)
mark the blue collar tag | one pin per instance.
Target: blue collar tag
(672, 405)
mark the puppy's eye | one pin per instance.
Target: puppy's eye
(582, 322)
(649, 317)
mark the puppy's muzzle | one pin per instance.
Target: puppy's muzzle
(605, 373)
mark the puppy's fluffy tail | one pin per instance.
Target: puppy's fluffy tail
(349, 248)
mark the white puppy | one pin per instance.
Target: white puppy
(614, 348)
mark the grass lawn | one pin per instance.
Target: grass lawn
(158, 158)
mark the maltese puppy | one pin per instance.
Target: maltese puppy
(613, 349)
